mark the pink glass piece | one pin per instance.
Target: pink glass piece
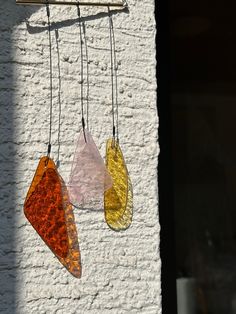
(89, 177)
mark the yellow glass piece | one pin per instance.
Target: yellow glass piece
(118, 200)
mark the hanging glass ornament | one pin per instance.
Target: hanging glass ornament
(89, 177)
(118, 200)
(49, 211)
(45, 208)
(47, 205)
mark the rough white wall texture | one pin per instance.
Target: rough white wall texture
(121, 271)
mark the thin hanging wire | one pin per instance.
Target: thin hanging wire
(81, 73)
(50, 84)
(114, 91)
(59, 97)
(112, 76)
(87, 70)
(116, 83)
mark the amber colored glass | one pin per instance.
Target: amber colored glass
(118, 200)
(48, 209)
(73, 260)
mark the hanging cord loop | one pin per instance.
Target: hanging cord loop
(114, 93)
(82, 73)
(50, 84)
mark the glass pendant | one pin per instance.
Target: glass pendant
(89, 177)
(48, 209)
(118, 200)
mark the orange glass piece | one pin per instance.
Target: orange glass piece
(48, 209)
(73, 260)
(118, 200)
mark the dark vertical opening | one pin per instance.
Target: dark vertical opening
(203, 112)
(165, 173)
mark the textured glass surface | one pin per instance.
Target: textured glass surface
(48, 209)
(72, 261)
(118, 200)
(89, 177)
(44, 208)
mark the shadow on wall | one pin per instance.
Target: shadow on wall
(10, 16)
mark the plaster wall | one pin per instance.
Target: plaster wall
(121, 271)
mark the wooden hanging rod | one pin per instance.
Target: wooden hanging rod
(121, 4)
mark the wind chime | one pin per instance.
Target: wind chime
(49, 202)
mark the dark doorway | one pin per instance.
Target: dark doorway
(202, 86)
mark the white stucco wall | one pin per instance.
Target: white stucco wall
(121, 271)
